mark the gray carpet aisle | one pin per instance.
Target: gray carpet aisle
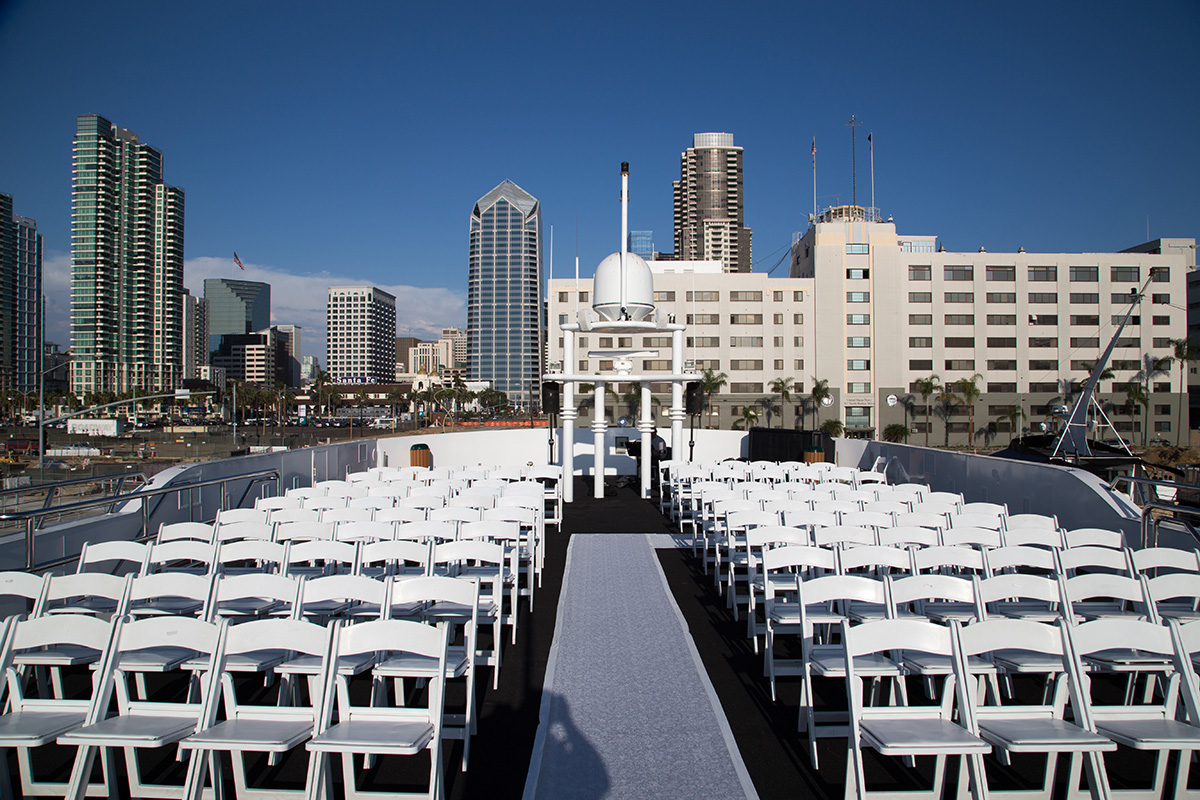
(627, 710)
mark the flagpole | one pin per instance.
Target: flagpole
(814, 160)
(872, 144)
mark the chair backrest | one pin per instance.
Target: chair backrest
(172, 593)
(905, 535)
(1080, 589)
(341, 516)
(303, 531)
(910, 593)
(457, 514)
(279, 595)
(777, 536)
(1094, 537)
(364, 531)
(321, 557)
(985, 521)
(1041, 522)
(17, 586)
(231, 515)
(970, 536)
(810, 519)
(492, 530)
(372, 501)
(427, 531)
(948, 558)
(1074, 560)
(922, 519)
(888, 506)
(305, 492)
(869, 519)
(876, 559)
(182, 555)
(950, 498)
(831, 535)
(277, 503)
(1181, 586)
(75, 631)
(1032, 536)
(244, 530)
(118, 557)
(847, 589)
(288, 515)
(742, 521)
(395, 557)
(400, 515)
(322, 504)
(343, 594)
(198, 531)
(1021, 558)
(1015, 586)
(1164, 560)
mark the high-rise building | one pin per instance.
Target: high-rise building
(236, 307)
(126, 264)
(287, 360)
(504, 294)
(249, 357)
(709, 206)
(403, 344)
(641, 243)
(21, 305)
(195, 335)
(309, 367)
(362, 335)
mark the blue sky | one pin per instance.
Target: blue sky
(347, 142)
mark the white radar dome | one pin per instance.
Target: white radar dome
(623, 288)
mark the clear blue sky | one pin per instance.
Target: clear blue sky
(347, 142)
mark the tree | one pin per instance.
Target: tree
(321, 390)
(1014, 415)
(1184, 352)
(711, 382)
(926, 387)
(833, 426)
(946, 401)
(749, 417)
(782, 387)
(768, 407)
(395, 398)
(970, 391)
(818, 395)
(1152, 367)
(896, 432)
(1135, 395)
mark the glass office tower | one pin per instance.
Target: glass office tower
(504, 294)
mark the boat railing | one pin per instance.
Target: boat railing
(1145, 493)
(149, 499)
(45, 494)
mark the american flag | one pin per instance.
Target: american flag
(238, 261)
(814, 152)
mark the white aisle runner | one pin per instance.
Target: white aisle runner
(627, 709)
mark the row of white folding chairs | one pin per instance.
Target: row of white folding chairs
(328, 509)
(215, 652)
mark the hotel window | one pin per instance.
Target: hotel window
(1160, 274)
(1085, 274)
(797, 319)
(857, 249)
(1160, 299)
(703, 297)
(745, 364)
(1043, 365)
(960, 319)
(746, 388)
(797, 296)
(1001, 297)
(1001, 273)
(1050, 387)
(1043, 297)
(583, 297)
(777, 341)
(562, 297)
(798, 341)
(1133, 320)
(745, 319)
(799, 364)
(960, 341)
(1001, 319)
(656, 341)
(664, 297)
(1043, 273)
(920, 319)
(779, 364)
(1002, 387)
(1123, 298)
(1043, 341)
(1160, 320)
(920, 341)
(858, 297)
(704, 341)
(703, 319)
(1089, 320)
(624, 341)
(777, 319)
(920, 364)
(745, 341)
(920, 297)
(663, 364)
(1126, 274)
(960, 297)
(606, 341)
(858, 319)
(861, 387)
(1043, 319)
(606, 365)
(1085, 298)
(857, 364)
(920, 273)
(858, 341)
(777, 297)
(1129, 341)
(1002, 365)
(708, 363)
(745, 297)
(960, 363)
(858, 274)
(958, 273)
(1161, 341)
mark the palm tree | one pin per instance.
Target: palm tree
(1184, 352)
(782, 387)
(946, 401)
(927, 387)
(1152, 367)
(768, 407)
(819, 394)
(749, 417)
(896, 432)
(711, 382)
(1135, 395)
(970, 391)
(1014, 415)
(833, 427)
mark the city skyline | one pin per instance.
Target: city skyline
(990, 130)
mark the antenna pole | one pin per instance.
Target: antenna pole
(852, 124)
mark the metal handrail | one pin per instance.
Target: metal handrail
(1139, 481)
(29, 517)
(1149, 521)
(52, 488)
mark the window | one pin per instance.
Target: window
(858, 341)
(703, 297)
(1002, 387)
(921, 364)
(1161, 387)
(656, 341)
(656, 364)
(1043, 273)
(1049, 387)
(777, 341)
(1162, 408)
(1002, 341)
(1161, 341)
(606, 341)
(703, 319)
(745, 341)
(583, 297)
(664, 297)
(746, 388)
(778, 364)
(1085, 298)
(1129, 341)
(858, 363)
(858, 417)
(777, 297)
(1162, 426)
(1160, 274)
(1085, 341)
(562, 297)
(799, 365)
(960, 363)
(745, 297)
(1001, 297)
(960, 297)
(858, 274)
(797, 319)
(958, 273)
(920, 273)
(1043, 365)
(1043, 319)
(704, 341)
(858, 297)
(1001, 273)
(1126, 274)
(960, 341)
(1160, 299)
(797, 296)
(1085, 274)
(624, 341)
(1123, 298)
(858, 319)
(1001, 319)
(798, 341)
(1090, 320)
(1043, 297)
(920, 297)
(708, 363)
(857, 249)
(745, 319)
(1133, 320)
(1160, 320)
(920, 341)
(1043, 341)
(960, 319)
(858, 388)
(920, 319)
(745, 364)
(1002, 365)
(777, 319)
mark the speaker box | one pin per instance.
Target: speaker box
(693, 401)
(551, 397)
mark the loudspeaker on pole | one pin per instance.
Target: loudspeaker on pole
(551, 397)
(693, 398)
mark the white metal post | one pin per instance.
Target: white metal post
(599, 426)
(567, 447)
(646, 426)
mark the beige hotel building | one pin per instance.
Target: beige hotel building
(871, 312)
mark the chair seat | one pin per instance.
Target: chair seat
(247, 607)
(1151, 734)
(61, 655)
(254, 661)
(155, 659)
(1125, 660)
(389, 737)
(830, 663)
(36, 728)
(311, 665)
(935, 664)
(133, 730)
(254, 735)
(411, 665)
(174, 606)
(1027, 661)
(1042, 736)
(918, 737)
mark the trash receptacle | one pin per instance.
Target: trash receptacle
(419, 455)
